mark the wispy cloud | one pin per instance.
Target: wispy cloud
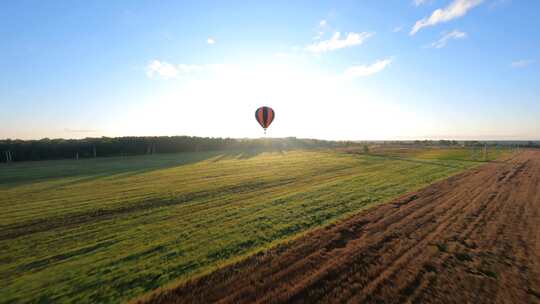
(367, 70)
(419, 2)
(336, 43)
(498, 3)
(456, 9)
(165, 70)
(455, 34)
(522, 63)
(321, 29)
(397, 29)
(161, 69)
(210, 40)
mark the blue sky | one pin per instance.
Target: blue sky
(461, 69)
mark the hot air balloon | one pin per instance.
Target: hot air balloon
(265, 116)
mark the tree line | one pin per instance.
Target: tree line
(48, 149)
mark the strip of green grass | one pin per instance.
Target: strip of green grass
(107, 230)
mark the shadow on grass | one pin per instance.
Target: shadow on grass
(85, 170)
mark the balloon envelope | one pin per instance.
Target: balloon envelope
(265, 116)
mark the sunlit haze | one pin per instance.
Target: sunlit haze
(331, 70)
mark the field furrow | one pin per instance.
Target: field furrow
(472, 238)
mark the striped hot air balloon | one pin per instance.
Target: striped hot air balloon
(265, 116)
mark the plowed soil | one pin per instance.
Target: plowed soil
(472, 238)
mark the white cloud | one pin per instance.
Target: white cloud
(522, 63)
(456, 9)
(455, 34)
(166, 70)
(161, 69)
(367, 70)
(335, 42)
(321, 29)
(210, 40)
(397, 29)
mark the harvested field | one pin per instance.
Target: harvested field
(108, 230)
(472, 238)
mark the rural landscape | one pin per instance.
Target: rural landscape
(117, 228)
(272, 152)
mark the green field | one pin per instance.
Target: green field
(111, 229)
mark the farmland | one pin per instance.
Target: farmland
(471, 238)
(112, 229)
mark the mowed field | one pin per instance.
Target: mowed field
(471, 238)
(112, 229)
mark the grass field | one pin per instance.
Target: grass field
(108, 230)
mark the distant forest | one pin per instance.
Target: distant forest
(48, 149)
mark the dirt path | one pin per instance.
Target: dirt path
(473, 238)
